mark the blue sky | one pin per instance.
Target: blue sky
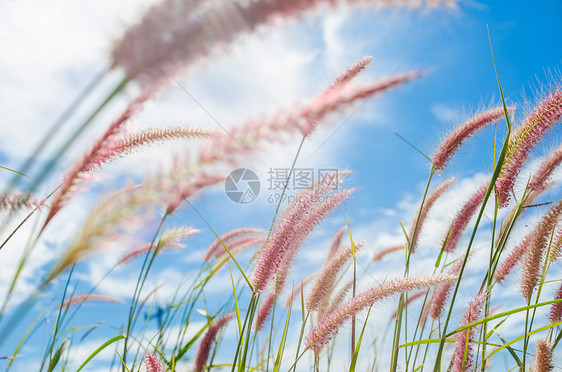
(51, 51)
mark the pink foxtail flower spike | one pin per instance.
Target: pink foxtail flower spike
(336, 241)
(543, 357)
(463, 356)
(556, 309)
(302, 119)
(185, 190)
(317, 110)
(153, 363)
(411, 298)
(18, 200)
(419, 220)
(132, 141)
(169, 239)
(524, 139)
(297, 221)
(323, 287)
(172, 34)
(338, 299)
(513, 258)
(237, 245)
(463, 218)
(79, 299)
(331, 323)
(556, 249)
(384, 252)
(466, 130)
(216, 247)
(205, 346)
(265, 310)
(538, 184)
(94, 158)
(350, 73)
(547, 167)
(307, 224)
(533, 258)
(442, 292)
(297, 290)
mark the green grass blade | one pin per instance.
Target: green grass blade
(15, 171)
(97, 351)
(427, 341)
(283, 341)
(552, 325)
(356, 351)
(510, 349)
(225, 247)
(501, 315)
(190, 343)
(235, 299)
(57, 355)
(412, 146)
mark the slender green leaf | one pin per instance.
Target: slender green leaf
(556, 324)
(15, 171)
(58, 354)
(97, 351)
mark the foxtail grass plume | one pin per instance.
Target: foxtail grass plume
(350, 73)
(466, 130)
(107, 218)
(524, 139)
(307, 225)
(296, 223)
(542, 176)
(169, 239)
(216, 248)
(173, 35)
(411, 298)
(543, 357)
(336, 99)
(80, 170)
(91, 297)
(324, 284)
(264, 310)
(331, 323)
(513, 258)
(556, 248)
(153, 363)
(556, 309)
(336, 241)
(208, 339)
(463, 218)
(243, 139)
(183, 190)
(298, 289)
(280, 250)
(534, 256)
(17, 200)
(384, 252)
(539, 183)
(419, 220)
(238, 245)
(336, 301)
(442, 291)
(464, 347)
(135, 140)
